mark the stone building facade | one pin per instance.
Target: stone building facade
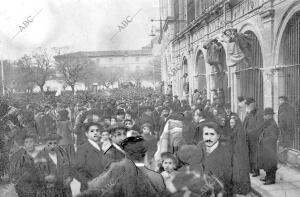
(273, 69)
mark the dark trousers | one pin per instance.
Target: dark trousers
(271, 174)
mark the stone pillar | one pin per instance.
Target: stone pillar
(267, 16)
(268, 80)
(278, 89)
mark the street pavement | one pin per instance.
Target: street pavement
(287, 183)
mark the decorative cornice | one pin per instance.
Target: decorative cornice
(267, 14)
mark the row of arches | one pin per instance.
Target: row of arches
(249, 80)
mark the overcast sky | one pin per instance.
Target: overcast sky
(80, 24)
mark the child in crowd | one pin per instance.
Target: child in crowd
(169, 164)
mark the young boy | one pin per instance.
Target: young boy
(169, 164)
(90, 159)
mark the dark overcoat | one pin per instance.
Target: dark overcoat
(219, 164)
(252, 126)
(268, 145)
(286, 123)
(24, 174)
(240, 160)
(89, 163)
(61, 171)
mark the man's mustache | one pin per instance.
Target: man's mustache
(208, 141)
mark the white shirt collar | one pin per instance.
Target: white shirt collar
(139, 164)
(53, 157)
(212, 148)
(118, 148)
(94, 144)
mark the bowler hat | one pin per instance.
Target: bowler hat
(269, 111)
(283, 97)
(249, 101)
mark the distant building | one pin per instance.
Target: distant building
(132, 60)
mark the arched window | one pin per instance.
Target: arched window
(289, 59)
(289, 69)
(251, 78)
(200, 77)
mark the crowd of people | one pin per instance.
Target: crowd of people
(140, 144)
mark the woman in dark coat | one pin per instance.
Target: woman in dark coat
(240, 157)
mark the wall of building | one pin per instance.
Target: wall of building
(266, 19)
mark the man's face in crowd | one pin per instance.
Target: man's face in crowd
(118, 136)
(165, 113)
(107, 121)
(93, 133)
(113, 121)
(120, 117)
(51, 145)
(215, 112)
(210, 136)
(268, 117)
(148, 112)
(128, 116)
(208, 102)
(128, 124)
(29, 144)
(250, 107)
(105, 136)
(146, 130)
(232, 123)
(281, 101)
(169, 165)
(198, 101)
(222, 121)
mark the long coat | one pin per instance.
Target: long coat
(240, 160)
(252, 125)
(286, 123)
(268, 145)
(61, 171)
(24, 173)
(218, 162)
(90, 162)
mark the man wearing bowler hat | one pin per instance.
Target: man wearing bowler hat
(268, 147)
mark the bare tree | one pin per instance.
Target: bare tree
(37, 67)
(108, 76)
(73, 69)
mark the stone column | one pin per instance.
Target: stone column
(278, 89)
(267, 16)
